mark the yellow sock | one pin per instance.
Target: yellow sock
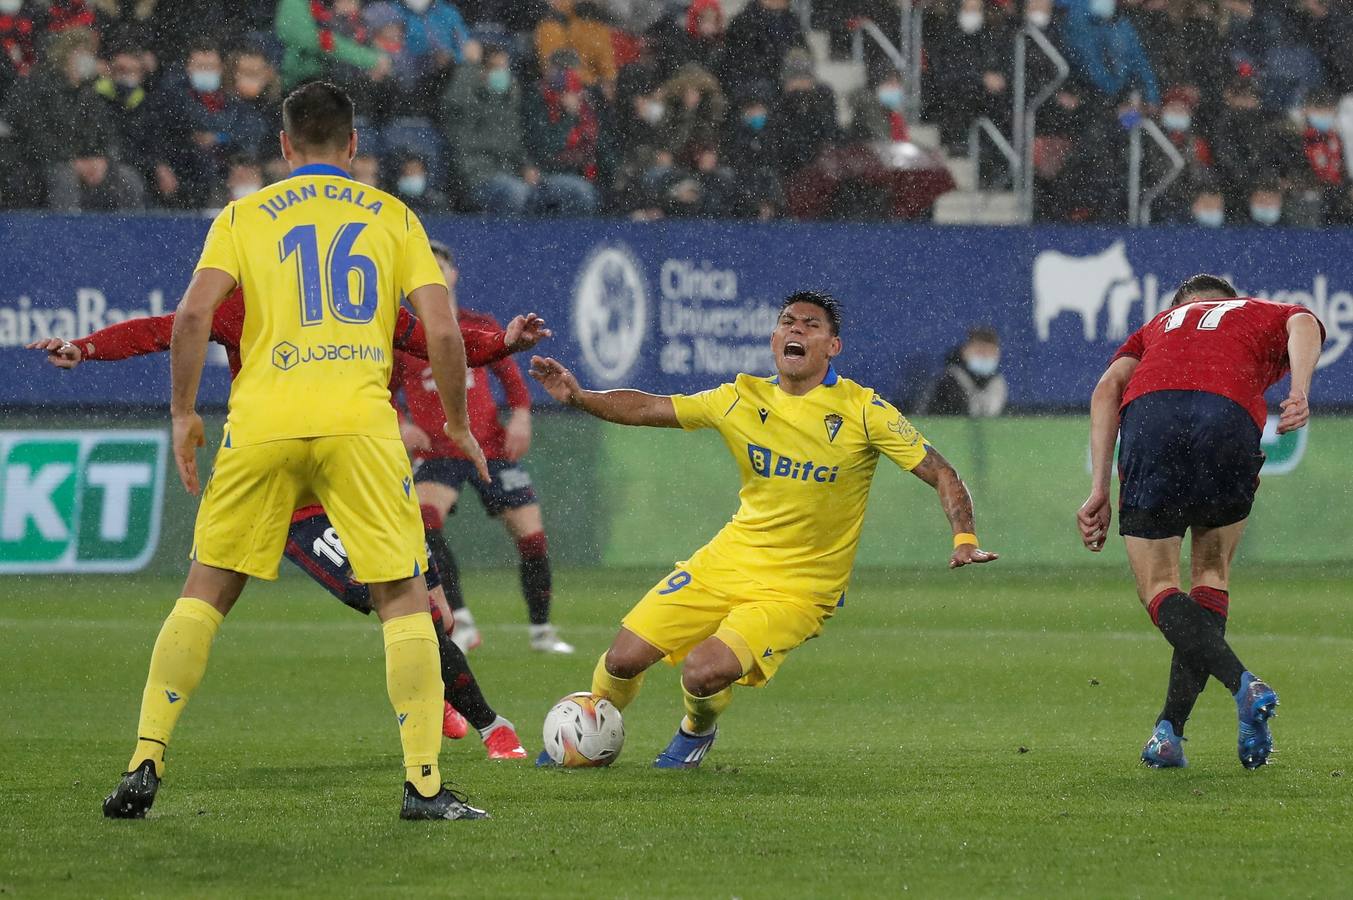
(176, 667)
(413, 679)
(702, 712)
(620, 691)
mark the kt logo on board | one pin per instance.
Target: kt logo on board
(80, 501)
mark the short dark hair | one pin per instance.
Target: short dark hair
(318, 116)
(1203, 283)
(442, 250)
(821, 299)
(983, 334)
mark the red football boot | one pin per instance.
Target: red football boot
(454, 725)
(503, 743)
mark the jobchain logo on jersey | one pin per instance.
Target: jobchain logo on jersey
(769, 464)
(286, 355)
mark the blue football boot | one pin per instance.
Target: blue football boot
(1165, 750)
(544, 761)
(1256, 703)
(686, 750)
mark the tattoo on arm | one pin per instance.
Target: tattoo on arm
(936, 471)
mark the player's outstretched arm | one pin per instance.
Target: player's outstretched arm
(1303, 352)
(1096, 512)
(187, 353)
(936, 471)
(446, 356)
(624, 407)
(121, 340)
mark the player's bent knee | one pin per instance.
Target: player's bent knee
(711, 667)
(630, 655)
(623, 665)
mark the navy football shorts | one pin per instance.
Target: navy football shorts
(509, 487)
(313, 545)
(1186, 458)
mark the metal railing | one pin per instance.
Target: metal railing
(906, 58)
(1139, 201)
(1024, 123)
(985, 127)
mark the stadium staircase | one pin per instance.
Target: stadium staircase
(970, 204)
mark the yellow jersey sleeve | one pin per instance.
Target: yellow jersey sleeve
(220, 251)
(892, 435)
(705, 409)
(419, 266)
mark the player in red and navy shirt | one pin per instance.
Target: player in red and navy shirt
(441, 472)
(312, 543)
(1185, 396)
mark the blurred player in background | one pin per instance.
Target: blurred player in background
(1188, 392)
(441, 472)
(806, 442)
(323, 262)
(313, 544)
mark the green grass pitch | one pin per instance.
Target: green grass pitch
(952, 735)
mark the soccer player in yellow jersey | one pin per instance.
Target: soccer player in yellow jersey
(323, 261)
(806, 442)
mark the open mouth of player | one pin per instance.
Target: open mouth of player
(794, 350)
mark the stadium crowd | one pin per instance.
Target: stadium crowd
(664, 108)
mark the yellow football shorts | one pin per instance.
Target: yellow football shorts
(758, 624)
(364, 483)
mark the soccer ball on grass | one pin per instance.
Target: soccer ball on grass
(583, 731)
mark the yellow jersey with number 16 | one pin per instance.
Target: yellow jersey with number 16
(324, 262)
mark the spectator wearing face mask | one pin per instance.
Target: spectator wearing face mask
(967, 76)
(749, 153)
(1323, 164)
(876, 110)
(195, 120)
(65, 134)
(244, 177)
(971, 383)
(1208, 209)
(124, 92)
(256, 90)
(1266, 203)
(1105, 49)
(414, 187)
(1176, 120)
(481, 111)
(640, 141)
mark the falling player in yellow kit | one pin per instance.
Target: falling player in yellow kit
(806, 442)
(323, 262)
